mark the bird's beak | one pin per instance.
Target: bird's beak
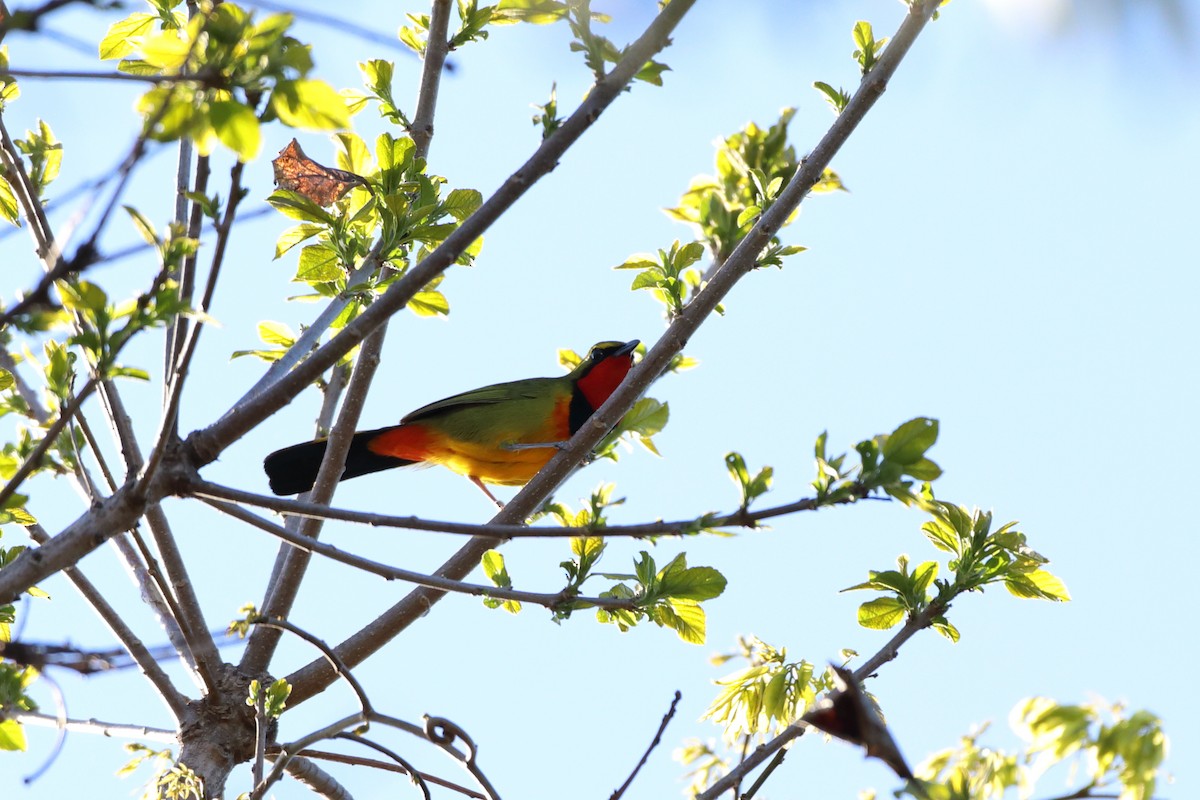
(628, 347)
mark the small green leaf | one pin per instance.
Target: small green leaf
(144, 226)
(429, 304)
(319, 263)
(12, 735)
(311, 104)
(8, 203)
(276, 333)
(908, 443)
(295, 235)
(685, 617)
(691, 583)
(881, 613)
(123, 35)
(1037, 585)
(237, 127)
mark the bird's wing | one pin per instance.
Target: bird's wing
(529, 389)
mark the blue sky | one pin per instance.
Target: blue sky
(1015, 258)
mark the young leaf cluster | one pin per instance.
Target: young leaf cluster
(980, 557)
(402, 216)
(598, 51)
(669, 597)
(1122, 755)
(867, 48)
(768, 694)
(497, 572)
(235, 61)
(670, 276)
(43, 152)
(886, 462)
(752, 165)
(751, 486)
(274, 699)
(14, 680)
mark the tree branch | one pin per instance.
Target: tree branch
(174, 700)
(117, 730)
(550, 600)
(742, 518)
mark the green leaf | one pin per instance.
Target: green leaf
(319, 263)
(167, 50)
(684, 617)
(123, 35)
(6, 379)
(144, 226)
(690, 583)
(276, 333)
(8, 203)
(881, 613)
(12, 735)
(1037, 585)
(309, 104)
(299, 207)
(462, 203)
(908, 443)
(237, 127)
(494, 569)
(943, 626)
(295, 235)
(429, 304)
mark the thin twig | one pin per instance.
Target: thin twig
(204, 657)
(120, 730)
(288, 751)
(343, 671)
(149, 667)
(260, 734)
(413, 773)
(342, 758)
(742, 518)
(444, 733)
(337, 23)
(653, 744)
(550, 600)
(34, 460)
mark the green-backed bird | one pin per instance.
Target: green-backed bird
(503, 433)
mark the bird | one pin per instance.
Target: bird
(500, 434)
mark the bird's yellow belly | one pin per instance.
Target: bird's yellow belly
(492, 464)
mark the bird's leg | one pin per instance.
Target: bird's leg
(514, 446)
(485, 490)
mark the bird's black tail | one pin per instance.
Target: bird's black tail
(294, 469)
